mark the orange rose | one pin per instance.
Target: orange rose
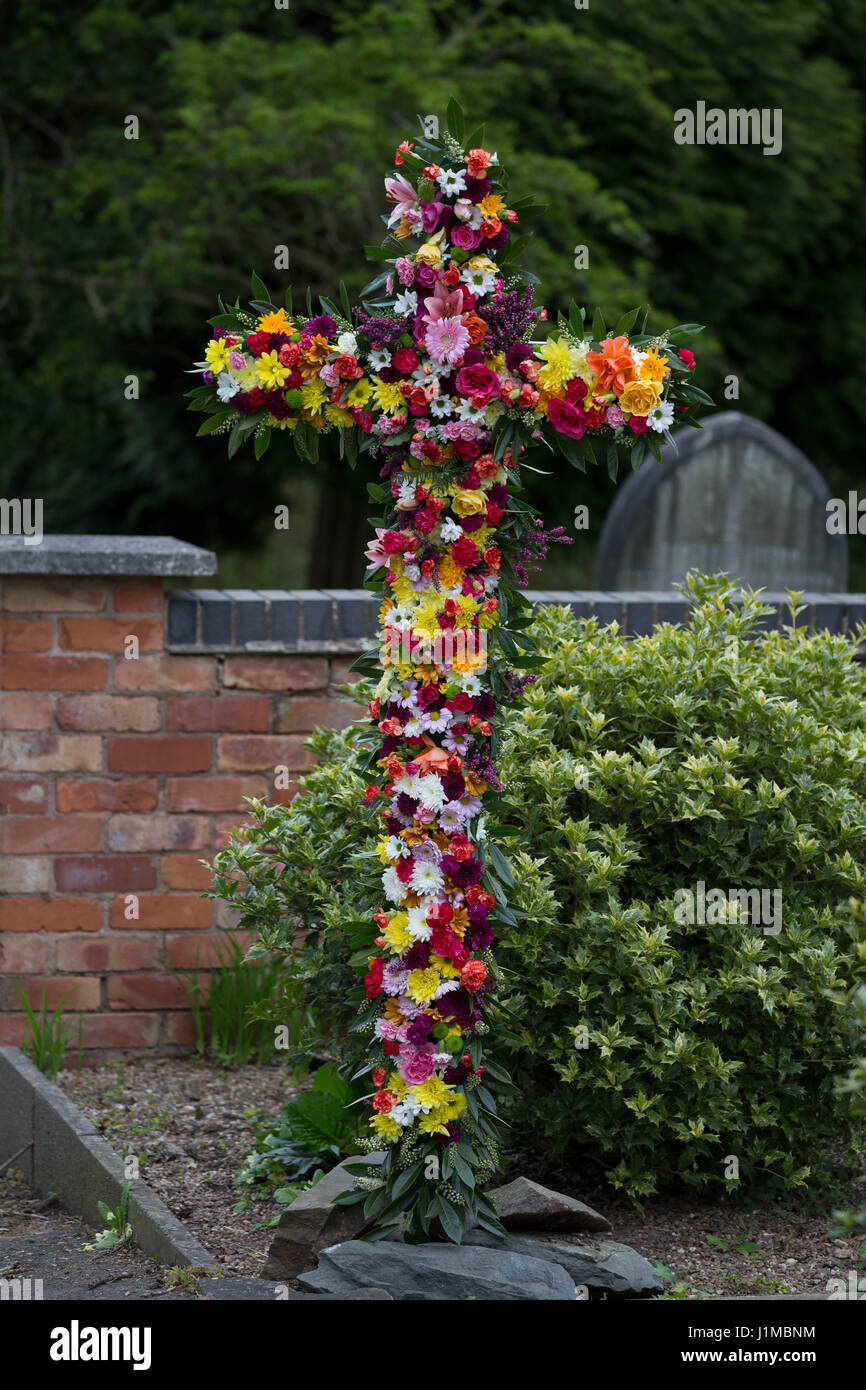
(475, 327)
(614, 364)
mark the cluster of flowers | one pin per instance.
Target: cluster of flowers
(441, 378)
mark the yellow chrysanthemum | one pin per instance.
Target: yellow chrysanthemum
(562, 363)
(488, 620)
(270, 371)
(393, 1012)
(397, 936)
(314, 418)
(217, 355)
(492, 204)
(422, 985)
(396, 1084)
(403, 230)
(434, 1091)
(495, 361)
(402, 590)
(654, 367)
(388, 396)
(360, 392)
(275, 323)
(450, 574)
(387, 1128)
(335, 416)
(314, 394)
(285, 424)
(431, 1124)
(475, 785)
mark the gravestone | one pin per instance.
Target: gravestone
(737, 497)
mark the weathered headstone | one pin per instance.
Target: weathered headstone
(737, 497)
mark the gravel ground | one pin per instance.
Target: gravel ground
(194, 1124)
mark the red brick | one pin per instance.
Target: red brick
(104, 874)
(256, 752)
(14, 1028)
(107, 794)
(26, 634)
(225, 828)
(144, 596)
(109, 634)
(104, 713)
(25, 711)
(276, 672)
(50, 834)
(75, 992)
(167, 674)
(234, 713)
(302, 715)
(49, 914)
(51, 753)
(126, 833)
(98, 955)
(22, 595)
(120, 1030)
(189, 952)
(25, 874)
(180, 753)
(145, 992)
(161, 911)
(23, 796)
(342, 673)
(185, 871)
(22, 955)
(211, 793)
(53, 673)
(180, 1029)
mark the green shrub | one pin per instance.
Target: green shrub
(654, 1047)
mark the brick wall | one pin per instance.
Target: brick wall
(118, 774)
(124, 764)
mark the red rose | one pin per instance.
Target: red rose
(567, 419)
(688, 358)
(405, 359)
(451, 278)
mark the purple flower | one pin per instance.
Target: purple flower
(322, 323)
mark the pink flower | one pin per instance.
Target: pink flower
(447, 340)
(376, 553)
(401, 193)
(329, 375)
(567, 419)
(416, 1065)
(405, 269)
(443, 303)
(477, 381)
(614, 416)
(638, 424)
(467, 238)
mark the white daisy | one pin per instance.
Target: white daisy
(451, 181)
(426, 878)
(661, 418)
(479, 281)
(431, 795)
(395, 848)
(379, 358)
(417, 927)
(441, 406)
(446, 987)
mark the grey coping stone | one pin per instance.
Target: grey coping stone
(182, 617)
(216, 617)
(71, 1158)
(735, 496)
(250, 615)
(101, 555)
(353, 616)
(317, 615)
(285, 616)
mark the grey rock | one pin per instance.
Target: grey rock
(232, 1290)
(738, 496)
(601, 1264)
(312, 1222)
(438, 1272)
(526, 1205)
(103, 555)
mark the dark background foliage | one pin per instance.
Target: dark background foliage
(261, 126)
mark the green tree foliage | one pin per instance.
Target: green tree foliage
(261, 127)
(643, 1043)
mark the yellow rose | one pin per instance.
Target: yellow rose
(640, 397)
(469, 502)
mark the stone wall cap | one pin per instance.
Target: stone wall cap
(104, 555)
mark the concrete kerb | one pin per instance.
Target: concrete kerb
(68, 1156)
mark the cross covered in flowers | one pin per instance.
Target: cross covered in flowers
(441, 375)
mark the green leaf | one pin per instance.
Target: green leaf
(407, 1178)
(452, 1222)
(454, 116)
(261, 442)
(260, 290)
(598, 329)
